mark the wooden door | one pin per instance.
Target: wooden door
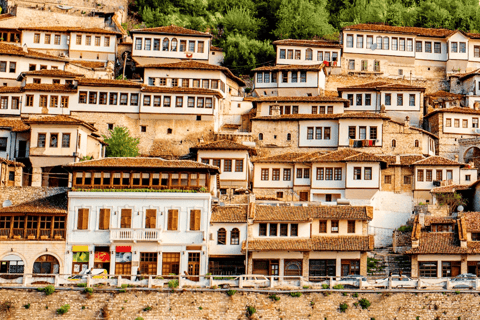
(303, 196)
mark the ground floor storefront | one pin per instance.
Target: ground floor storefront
(437, 266)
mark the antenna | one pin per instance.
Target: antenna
(373, 46)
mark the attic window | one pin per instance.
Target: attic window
(169, 131)
(442, 228)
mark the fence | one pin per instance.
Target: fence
(243, 281)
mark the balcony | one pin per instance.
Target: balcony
(32, 234)
(363, 143)
(135, 235)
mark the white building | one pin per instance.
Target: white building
(308, 52)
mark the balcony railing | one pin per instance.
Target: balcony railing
(32, 234)
(135, 234)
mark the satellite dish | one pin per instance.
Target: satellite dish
(460, 208)
(373, 46)
(7, 203)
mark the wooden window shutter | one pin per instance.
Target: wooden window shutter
(172, 219)
(82, 219)
(151, 219)
(126, 220)
(104, 223)
(195, 216)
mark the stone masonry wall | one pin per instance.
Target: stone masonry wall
(19, 195)
(218, 305)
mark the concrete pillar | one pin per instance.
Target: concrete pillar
(306, 265)
(439, 269)
(159, 263)
(338, 266)
(281, 268)
(363, 263)
(397, 179)
(249, 265)
(36, 177)
(414, 266)
(464, 264)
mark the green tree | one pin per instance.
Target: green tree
(120, 143)
(451, 200)
(243, 54)
(302, 19)
(239, 20)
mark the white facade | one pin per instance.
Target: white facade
(305, 55)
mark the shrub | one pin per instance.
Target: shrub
(405, 228)
(81, 285)
(312, 303)
(200, 308)
(48, 290)
(295, 294)
(355, 295)
(147, 308)
(63, 309)
(343, 307)
(325, 286)
(364, 303)
(27, 306)
(124, 286)
(274, 297)
(172, 284)
(251, 310)
(139, 318)
(355, 304)
(306, 287)
(122, 290)
(345, 294)
(231, 292)
(6, 306)
(338, 286)
(457, 292)
(88, 290)
(83, 307)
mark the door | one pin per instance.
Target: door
(194, 265)
(123, 268)
(345, 269)
(303, 196)
(22, 149)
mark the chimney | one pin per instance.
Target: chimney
(382, 108)
(407, 121)
(456, 157)
(25, 48)
(251, 206)
(397, 159)
(475, 105)
(275, 110)
(421, 219)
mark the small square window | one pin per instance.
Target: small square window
(280, 194)
(143, 128)
(199, 118)
(110, 126)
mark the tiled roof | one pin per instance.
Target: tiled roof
(49, 87)
(472, 220)
(213, 48)
(13, 50)
(11, 163)
(229, 214)
(437, 161)
(300, 99)
(317, 243)
(299, 67)
(381, 85)
(454, 110)
(429, 220)
(427, 32)
(172, 29)
(438, 243)
(450, 188)
(444, 94)
(350, 115)
(195, 65)
(300, 213)
(88, 64)
(56, 204)
(16, 125)
(72, 29)
(404, 160)
(140, 162)
(8, 89)
(463, 76)
(90, 82)
(58, 119)
(284, 157)
(225, 145)
(346, 155)
(414, 128)
(181, 90)
(308, 43)
(53, 73)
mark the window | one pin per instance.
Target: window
(273, 230)
(283, 230)
(338, 174)
(123, 99)
(349, 41)
(53, 140)
(351, 64)
(303, 76)
(364, 65)
(3, 144)
(88, 42)
(362, 133)
(298, 55)
(66, 140)
(376, 66)
(148, 44)
(227, 165)
(419, 46)
(428, 47)
(282, 53)
(463, 47)
(437, 47)
(373, 133)
(195, 219)
(334, 226)
(275, 174)
(416, 143)
(439, 174)
(36, 38)
(260, 136)
(388, 99)
(113, 98)
(294, 230)
(265, 174)
(464, 123)
(15, 103)
(308, 54)
(427, 269)
(454, 47)
(92, 98)
(82, 219)
(367, 173)
(306, 173)
(299, 173)
(399, 99)
(106, 42)
(320, 56)
(357, 173)
(322, 226)
(37, 80)
(239, 165)
(358, 100)
(385, 43)
(351, 226)
(32, 67)
(352, 132)
(104, 219)
(428, 175)
(467, 177)
(359, 41)
(448, 122)
(318, 133)
(262, 230)
(420, 175)
(456, 123)
(235, 236)
(3, 102)
(287, 174)
(326, 133)
(191, 46)
(57, 39)
(411, 100)
(350, 98)
(474, 122)
(388, 179)
(172, 220)
(407, 180)
(183, 46)
(41, 140)
(13, 67)
(320, 174)
(208, 103)
(78, 39)
(379, 43)
(29, 102)
(395, 44)
(284, 77)
(409, 45)
(53, 101)
(166, 45)
(314, 109)
(3, 66)
(310, 133)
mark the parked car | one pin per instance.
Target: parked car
(398, 281)
(465, 276)
(96, 274)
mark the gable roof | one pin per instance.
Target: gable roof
(229, 214)
(56, 204)
(406, 160)
(91, 82)
(174, 30)
(472, 220)
(225, 145)
(334, 116)
(381, 85)
(173, 90)
(347, 155)
(308, 43)
(57, 120)
(88, 64)
(194, 65)
(52, 73)
(15, 125)
(13, 50)
(377, 27)
(414, 128)
(48, 87)
(326, 99)
(444, 94)
(298, 67)
(460, 110)
(284, 157)
(438, 243)
(301, 213)
(73, 29)
(437, 161)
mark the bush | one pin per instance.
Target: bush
(405, 228)
(345, 294)
(139, 318)
(6, 306)
(81, 285)
(27, 306)
(147, 308)
(296, 294)
(274, 297)
(48, 290)
(457, 292)
(355, 304)
(338, 286)
(364, 303)
(251, 310)
(312, 303)
(88, 290)
(325, 286)
(343, 307)
(200, 308)
(306, 287)
(63, 309)
(172, 284)
(231, 292)
(355, 295)
(122, 290)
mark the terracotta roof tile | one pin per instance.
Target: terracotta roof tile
(439, 243)
(463, 76)
(58, 119)
(225, 145)
(427, 32)
(454, 110)
(49, 87)
(336, 116)
(195, 65)
(472, 220)
(16, 125)
(404, 160)
(10, 49)
(53, 73)
(90, 82)
(56, 204)
(347, 155)
(299, 67)
(429, 220)
(284, 157)
(12, 163)
(308, 43)
(474, 246)
(300, 213)
(437, 161)
(381, 85)
(72, 29)
(414, 128)
(300, 99)
(444, 94)
(450, 188)
(8, 89)
(213, 48)
(140, 162)
(181, 90)
(229, 214)
(88, 64)
(172, 29)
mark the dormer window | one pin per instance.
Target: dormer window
(475, 236)
(165, 44)
(441, 228)
(174, 44)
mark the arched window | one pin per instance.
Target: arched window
(235, 236)
(416, 143)
(394, 143)
(293, 268)
(379, 42)
(174, 44)
(260, 136)
(289, 136)
(222, 237)
(165, 44)
(308, 54)
(46, 264)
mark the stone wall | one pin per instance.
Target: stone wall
(218, 305)
(402, 241)
(19, 195)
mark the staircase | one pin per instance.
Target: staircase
(385, 262)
